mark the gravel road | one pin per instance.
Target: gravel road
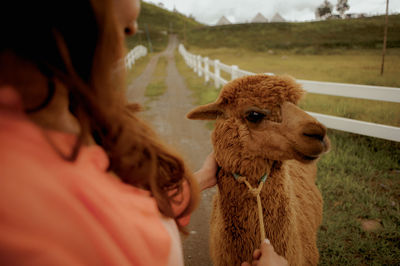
(190, 138)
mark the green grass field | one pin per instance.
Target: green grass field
(359, 180)
(347, 66)
(309, 37)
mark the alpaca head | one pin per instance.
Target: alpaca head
(257, 119)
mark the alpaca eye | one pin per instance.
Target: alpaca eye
(255, 117)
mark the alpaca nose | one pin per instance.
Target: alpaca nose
(315, 131)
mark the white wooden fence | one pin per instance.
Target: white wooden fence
(201, 65)
(134, 55)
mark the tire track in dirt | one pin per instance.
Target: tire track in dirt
(135, 91)
(190, 138)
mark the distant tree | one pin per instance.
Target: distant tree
(324, 10)
(342, 6)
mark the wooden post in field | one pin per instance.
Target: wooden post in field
(385, 37)
(234, 74)
(217, 73)
(206, 70)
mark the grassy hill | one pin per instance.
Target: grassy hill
(160, 22)
(304, 36)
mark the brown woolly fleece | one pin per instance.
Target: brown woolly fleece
(259, 129)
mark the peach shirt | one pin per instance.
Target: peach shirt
(55, 212)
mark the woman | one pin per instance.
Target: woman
(83, 181)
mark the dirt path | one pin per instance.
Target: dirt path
(190, 138)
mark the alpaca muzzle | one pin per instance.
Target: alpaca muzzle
(307, 135)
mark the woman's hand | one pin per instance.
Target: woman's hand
(207, 175)
(266, 256)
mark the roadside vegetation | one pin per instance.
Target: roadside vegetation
(202, 92)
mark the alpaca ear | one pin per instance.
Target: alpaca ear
(205, 112)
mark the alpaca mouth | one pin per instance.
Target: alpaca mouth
(306, 158)
(309, 158)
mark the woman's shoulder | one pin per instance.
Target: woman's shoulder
(49, 204)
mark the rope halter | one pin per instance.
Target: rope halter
(256, 193)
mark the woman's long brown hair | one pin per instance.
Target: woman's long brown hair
(78, 43)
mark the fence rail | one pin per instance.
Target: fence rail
(201, 65)
(134, 55)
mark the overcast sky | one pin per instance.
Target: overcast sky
(209, 11)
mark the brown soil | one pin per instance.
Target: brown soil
(190, 138)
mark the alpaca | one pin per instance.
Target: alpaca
(260, 130)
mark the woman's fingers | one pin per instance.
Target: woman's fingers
(206, 176)
(266, 256)
(256, 254)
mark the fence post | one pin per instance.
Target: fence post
(234, 72)
(126, 63)
(130, 63)
(195, 65)
(217, 73)
(206, 70)
(199, 65)
(133, 57)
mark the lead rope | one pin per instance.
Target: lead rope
(256, 193)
